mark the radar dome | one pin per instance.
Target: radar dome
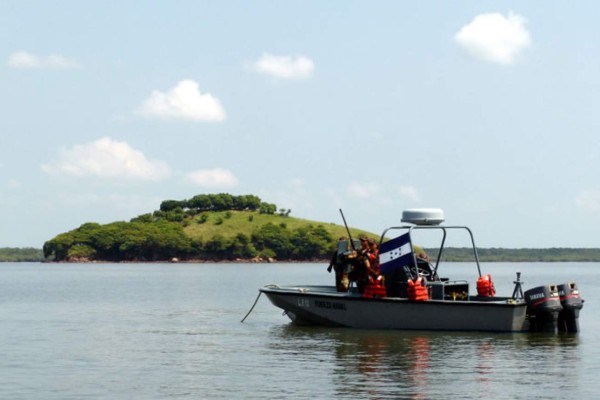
(423, 216)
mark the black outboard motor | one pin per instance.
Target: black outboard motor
(543, 307)
(568, 318)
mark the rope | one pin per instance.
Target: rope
(252, 308)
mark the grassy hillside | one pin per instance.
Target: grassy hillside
(231, 223)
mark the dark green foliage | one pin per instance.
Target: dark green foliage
(169, 205)
(121, 241)
(266, 208)
(214, 202)
(216, 247)
(304, 243)
(242, 247)
(311, 242)
(273, 237)
(203, 218)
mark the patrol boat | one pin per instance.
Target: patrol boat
(414, 297)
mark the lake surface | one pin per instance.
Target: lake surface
(161, 331)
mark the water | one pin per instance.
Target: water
(160, 331)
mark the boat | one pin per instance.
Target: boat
(412, 296)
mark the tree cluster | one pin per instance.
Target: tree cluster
(219, 202)
(120, 241)
(163, 240)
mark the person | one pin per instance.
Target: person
(374, 259)
(341, 263)
(375, 287)
(362, 269)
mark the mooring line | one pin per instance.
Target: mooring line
(253, 305)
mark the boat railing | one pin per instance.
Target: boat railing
(444, 229)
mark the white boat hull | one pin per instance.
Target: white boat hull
(322, 305)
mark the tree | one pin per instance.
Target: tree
(169, 205)
(311, 242)
(200, 202)
(267, 208)
(241, 247)
(276, 238)
(216, 247)
(246, 202)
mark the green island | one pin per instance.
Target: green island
(224, 227)
(207, 227)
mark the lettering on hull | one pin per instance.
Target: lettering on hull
(303, 303)
(330, 305)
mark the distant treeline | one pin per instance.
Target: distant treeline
(276, 236)
(520, 255)
(13, 254)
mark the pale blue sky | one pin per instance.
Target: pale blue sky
(485, 109)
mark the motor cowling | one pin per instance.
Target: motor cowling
(543, 307)
(571, 301)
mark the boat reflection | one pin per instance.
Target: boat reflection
(419, 365)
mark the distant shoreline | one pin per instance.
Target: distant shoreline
(452, 254)
(324, 262)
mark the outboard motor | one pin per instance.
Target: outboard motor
(543, 307)
(568, 318)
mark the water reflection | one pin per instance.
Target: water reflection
(419, 365)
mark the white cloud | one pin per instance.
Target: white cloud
(184, 101)
(364, 190)
(285, 67)
(589, 200)
(107, 159)
(213, 178)
(494, 37)
(23, 59)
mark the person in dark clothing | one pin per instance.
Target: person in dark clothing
(341, 263)
(362, 266)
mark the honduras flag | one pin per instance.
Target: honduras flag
(396, 253)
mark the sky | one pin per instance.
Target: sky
(488, 110)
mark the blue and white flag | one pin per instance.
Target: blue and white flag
(396, 253)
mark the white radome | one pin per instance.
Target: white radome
(423, 216)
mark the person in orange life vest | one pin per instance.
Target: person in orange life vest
(374, 270)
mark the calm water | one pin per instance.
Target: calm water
(156, 331)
